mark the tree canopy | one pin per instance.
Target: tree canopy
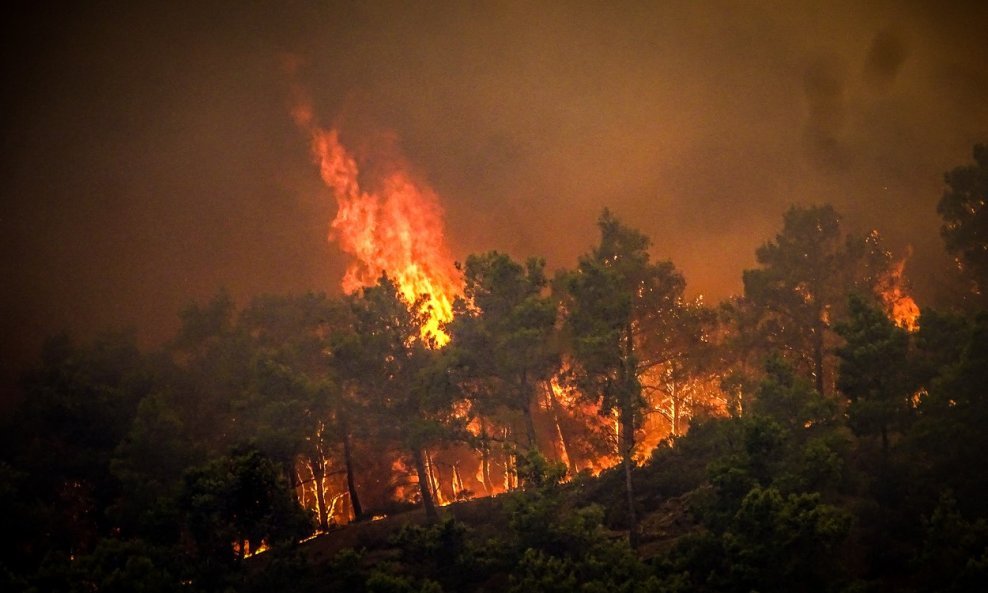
(602, 430)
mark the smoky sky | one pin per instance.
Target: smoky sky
(149, 157)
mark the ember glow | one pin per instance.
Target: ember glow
(392, 223)
(899, 306)
(394, 228)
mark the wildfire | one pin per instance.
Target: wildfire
(587, 442)
(391, 223)
(899, 306)
(395, 228)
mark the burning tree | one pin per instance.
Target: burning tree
(801, 287)
(611, 300)
(503, 336)
(392, 225)
(403, 383)
(683, 370)
(239, 498)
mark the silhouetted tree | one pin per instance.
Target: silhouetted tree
(402, 381)
(294, 406)
(875, 371)
(803, 280)
(965, 220)
(78, 406)
(240, 501)
(612, 300)
(503, 334)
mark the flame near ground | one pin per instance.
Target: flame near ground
(392, 224)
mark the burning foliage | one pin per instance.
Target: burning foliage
(391, 225)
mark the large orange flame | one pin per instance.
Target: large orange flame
(396, 229)
(899, 306)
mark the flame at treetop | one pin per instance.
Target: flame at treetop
(394, 229)
(899, 306)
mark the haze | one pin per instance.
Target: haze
(149, 157)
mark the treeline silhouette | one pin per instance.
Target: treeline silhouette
(814, 434)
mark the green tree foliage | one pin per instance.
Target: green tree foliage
(778, 542)
(240, 500)
(211, 360)
(742, 342)
(123, 471)
(267, 376)
(801, 285)
(939, 343)
(875, 371)
(954, 556)
(503, 335)
(202, 324)
(948, 435)
(403, 383)
(791, 441)
(77, 407)
(113, 566)
(149, 462)
(294, 407)
(554, 547)
(965, 219)
(680, 352)
(765, 525)
(615, 302)
(788, 399)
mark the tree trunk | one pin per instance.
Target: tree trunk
(424, 485)
(627, 448)
(351, 484)
(564, 443)
(525, 400)
(317, 464)
(675, 411)
(627, 437)
(435, 478)
(526, 410)
(485, 459)
(457, 482)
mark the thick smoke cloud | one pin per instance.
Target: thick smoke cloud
(149, 157)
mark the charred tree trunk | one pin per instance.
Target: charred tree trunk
(485, 458)
(629, 396)
(351, 484)
(457, 482)
(675, 410)
(526, 410)
(318, 465)
(563, 441)
(435, 478)
(627, 444)
(525, 400)
(424, 485)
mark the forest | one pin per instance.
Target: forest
(587, 429)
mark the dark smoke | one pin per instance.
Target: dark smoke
(885, 59)
(823, 84)
(149, 157)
